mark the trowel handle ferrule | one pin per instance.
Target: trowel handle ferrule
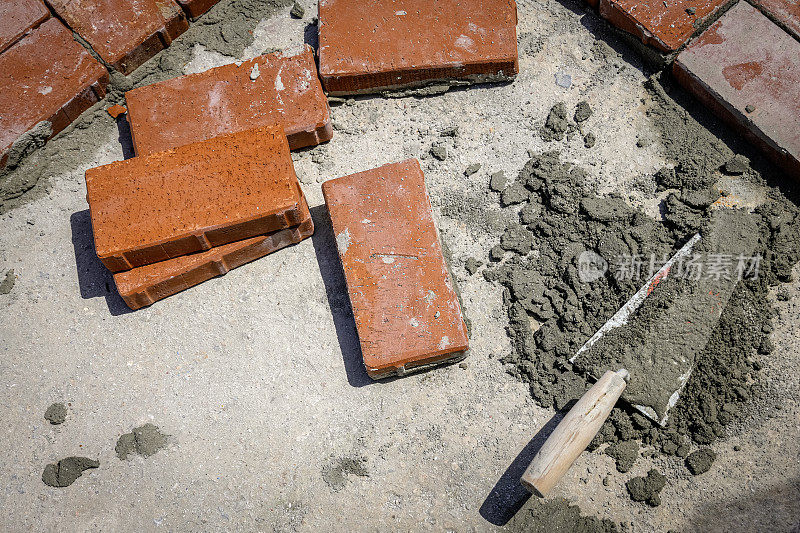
(574, 433)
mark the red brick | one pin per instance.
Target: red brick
(729, 70)
(145, 285)
(116, 110)
(406, 311)
(175, 21)
(188, 199)
(46, 76)
(664, 25)
(195, 8)
(18, 17)
(372, 46)
(786, 12)
(124, 33)
(224, 99)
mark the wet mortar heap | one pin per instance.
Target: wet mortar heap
(552, 311)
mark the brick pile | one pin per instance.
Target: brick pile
(212, 186)
(167, 221)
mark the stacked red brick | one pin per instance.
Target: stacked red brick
(167, 221)
(198, 127)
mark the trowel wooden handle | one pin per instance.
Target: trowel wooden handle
(574, 433)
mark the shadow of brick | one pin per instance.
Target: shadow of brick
(330, 268)
(94, 279)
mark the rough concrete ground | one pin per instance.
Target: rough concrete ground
(256, 376)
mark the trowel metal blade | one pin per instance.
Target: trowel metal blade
(658, 344)
(621, 317)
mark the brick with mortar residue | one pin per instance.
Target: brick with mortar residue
(18, 17)
(175, 22)
(730, 71)
(191, 198)
(124, 33)
(664, 25)
(373, 46)
(406, 311)
(786, 12)
(147, 284)
(195, 8)
(225, 99)
(46, 76)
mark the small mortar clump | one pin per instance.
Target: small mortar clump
(624, 453)
(8, 282)
(336, 471)
(647, 489)
(700, 462)
(557, 123)
(145, 440)
(556, 515)
(66, 471)
(56, 413)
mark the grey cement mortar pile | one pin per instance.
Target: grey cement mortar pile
(552, 312)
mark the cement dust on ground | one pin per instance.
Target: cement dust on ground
(255, 376)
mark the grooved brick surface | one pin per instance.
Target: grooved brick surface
(195, 8)
(752, 83)
(17, 17)
(373, 45)
(145, 285)
(226, 99)
(406, 310)
(664, 25)
(46, 76)
(125, 33)
(192, 198)
(787, 12)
